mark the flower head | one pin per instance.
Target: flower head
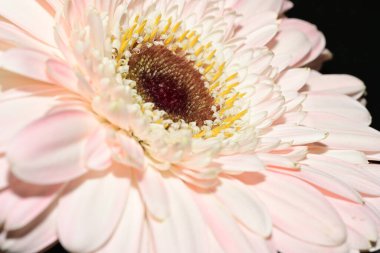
(179, 126)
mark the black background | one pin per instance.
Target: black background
(350, 28)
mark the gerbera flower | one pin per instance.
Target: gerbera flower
(179, 126)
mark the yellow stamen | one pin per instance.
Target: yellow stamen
(214, 86)
(153, 34)
(209, 68)
(211, 55)
(158, 19)
(183, 36)
(230, 102)
(141, 27)
(199, 51)
(166, 28)
(176, 27)
(194, 41)
(169, 39)
(229, 88)
(232, 77)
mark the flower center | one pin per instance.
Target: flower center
(171, 83)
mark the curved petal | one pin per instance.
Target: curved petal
(300, 210)
(92, 209)
(127, 236)
(49, 150)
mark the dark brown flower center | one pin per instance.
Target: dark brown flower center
(171, 83)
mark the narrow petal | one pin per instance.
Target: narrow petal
(240, 163)
(127, 236)
(92, 209)
(97, 154)
(39, 22)
(152, 188)
(53, 157)
(25, 62)
(222, 224)
(300, 210)
(42, 235)
(245, 206)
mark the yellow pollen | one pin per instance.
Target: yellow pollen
(230, 102)
(214, 86)
(229, 88)
(209, 68)
(211, 55)
(194, 41)
(153, 34)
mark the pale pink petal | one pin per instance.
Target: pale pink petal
(152, 188)
(286, 243)
(357, 241)
(128, 151)
(342, 84)
(15, 36)
(30, 202)
(97, 154)
(337, 104)
(316, 38)
(42, 235)
(259, 244)
(245, 206)
(25, 62)
(127, 236)
(31, 17)
(291, 43)
(293, 79)
(300, 210)
(297, 135)
(4, 170)
(250, 7)
(350, 173)
(92, 209)
(62, 74)
(184, 230)
(357, 218)
(223, 226)
(327, 184)
(15, 114)
(49, 149)
(240, 163)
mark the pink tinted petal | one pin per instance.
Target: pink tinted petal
(245, 206)
(15, 36)
(50, 149)
(342, 84)
(4, 170)
(153, 191)
(356, 216)
(329, 185)
(92, 209)
(350, 173)
(250, 7)
(297, 135)
(222, 224)
(62, 74)
(38, 23)
(97, 154)
(15, 114)
(337, 104)
(30, 202)
(42, 235)
(25, 62)
(286, 243)
(290, 43)
(128, 151)
(183, 230)
(127, 236)
(293, 79)
(316, 38)
(240, 163)
(300, 210)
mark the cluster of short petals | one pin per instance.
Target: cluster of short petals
(163, 126)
